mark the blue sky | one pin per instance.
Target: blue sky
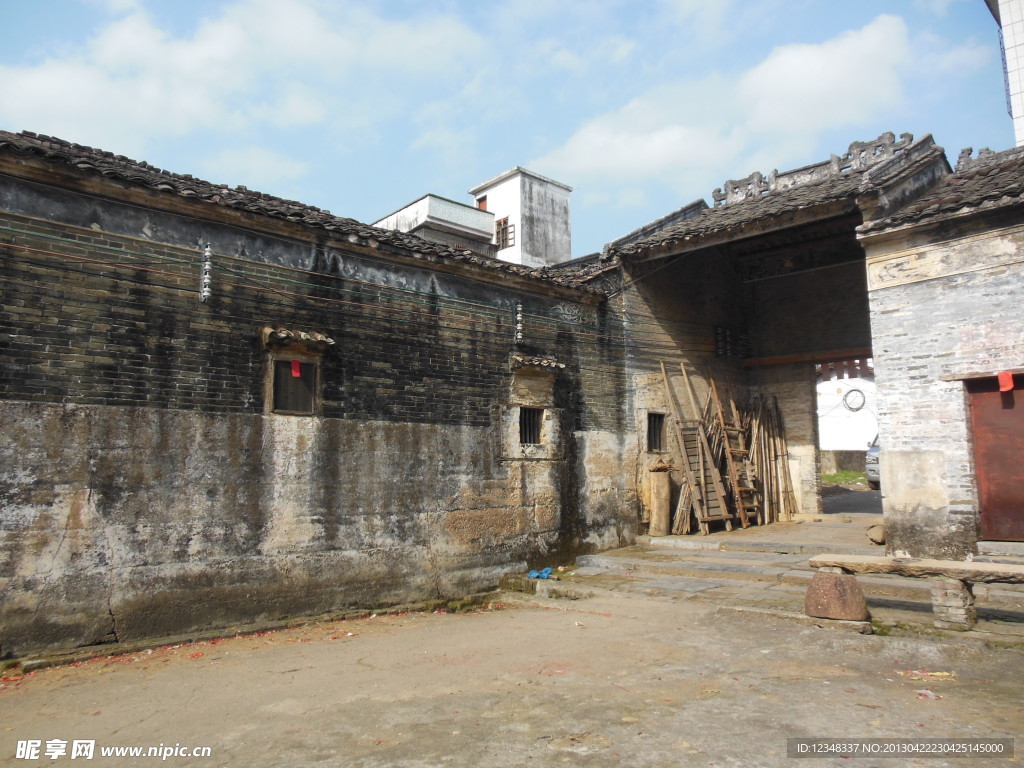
(361, 107)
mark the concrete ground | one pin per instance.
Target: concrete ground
(630, 675)
(765, 568)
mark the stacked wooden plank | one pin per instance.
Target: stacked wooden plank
(703, 499)
(743, 494)
(770, 459)
(734, 462)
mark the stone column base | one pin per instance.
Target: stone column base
(953, 604)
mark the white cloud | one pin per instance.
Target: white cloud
(650, 136)
(616, 49)
(938, 7)
(566, 59)
(116, 6)
(690, 131)
(702, 14)
(282, 63)
(254, 166)
(807, 88)
(295, 105)
(938, 59)
(590, 54)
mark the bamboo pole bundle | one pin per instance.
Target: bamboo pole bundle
(733, 453)
(769, 456)
(789, 496)
(759, 455)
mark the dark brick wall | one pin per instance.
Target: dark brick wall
(145, 489)
(826, 309)
(92, 318)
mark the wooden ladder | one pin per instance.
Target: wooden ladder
(691, 503)
(741, 482)
(701, 456)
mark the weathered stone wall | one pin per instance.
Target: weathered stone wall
(945, 303)
(672, 313)
(146, 488)
(793, 385)
(547, 230)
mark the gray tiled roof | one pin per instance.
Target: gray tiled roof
(583, 269)
(757, 197)
(88, 160)
(991, 180)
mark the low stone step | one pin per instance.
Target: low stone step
(802, 549)
(644, 582)
(726, 569)
(703, 543)
(770, 568)
(1014, 550)
(788, 559)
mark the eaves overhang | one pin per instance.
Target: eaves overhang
(690, 243)
(56, 163)
(870, 176)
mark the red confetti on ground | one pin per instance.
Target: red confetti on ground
(195, 655)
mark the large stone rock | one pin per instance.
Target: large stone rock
(876, 533)
(835, 596)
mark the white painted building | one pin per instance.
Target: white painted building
(847, 407)
(531, 212)
(1009, 14)
(444, 221)
(518, 216)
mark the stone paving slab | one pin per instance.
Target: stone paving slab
(740, 545)
(773, 575)
(602, 682)
(727, 555)
(896, 606)
(1014, 549)
(734, 570)
(729, 568)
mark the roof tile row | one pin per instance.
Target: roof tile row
(990, 180)
(758, 198)
(118, 167)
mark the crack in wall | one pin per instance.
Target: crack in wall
(113, 620)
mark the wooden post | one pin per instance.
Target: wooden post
(689, 496)
(661, 493)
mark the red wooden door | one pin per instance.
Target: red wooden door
(997, 420)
